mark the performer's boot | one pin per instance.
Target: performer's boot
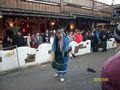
(62, 79)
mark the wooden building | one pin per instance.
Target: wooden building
(40, 15)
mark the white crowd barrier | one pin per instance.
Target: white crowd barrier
(111, 43)
(26, 56)
(8, 60)
(42, 54)
(81, 48)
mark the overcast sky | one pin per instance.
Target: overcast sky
(110, 1)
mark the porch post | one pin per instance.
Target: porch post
(61, 5)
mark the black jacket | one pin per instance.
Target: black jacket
(19, 40)
(103, 36)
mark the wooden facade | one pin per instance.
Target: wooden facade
(54, 9)
(86, 7)
(51, 10)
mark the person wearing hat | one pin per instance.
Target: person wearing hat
(110, 71)
(60, 51)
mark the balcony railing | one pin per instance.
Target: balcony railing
(85, 3)
(28, 5)
(52, 1)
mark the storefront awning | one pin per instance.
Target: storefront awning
(92, 17)
(22, 12)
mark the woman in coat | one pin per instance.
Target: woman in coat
(29, 40)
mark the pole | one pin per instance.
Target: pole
(93, 4)
(18, 58)
(61, 5)
(112, 7)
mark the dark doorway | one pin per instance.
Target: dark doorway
(42, 27)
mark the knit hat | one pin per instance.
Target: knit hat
(117, 32)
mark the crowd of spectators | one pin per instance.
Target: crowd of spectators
(97, 37)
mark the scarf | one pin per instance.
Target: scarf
(60, 42)
(64, 42)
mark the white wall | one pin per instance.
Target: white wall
(111, 43)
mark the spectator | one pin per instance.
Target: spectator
(39, 39)
(70, 36)
(9, 32)
(83, 34)
(111, 67)
(88, 37)
(7, 42)
(29, 40)
(78, 36)
(104, 38)
(96, 40)
(34, 43)
(15, 29)
(19, 39)
(47, 36)
(43, 37)
(109, 35)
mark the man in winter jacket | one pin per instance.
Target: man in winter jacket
(103, 39)
(110, 71)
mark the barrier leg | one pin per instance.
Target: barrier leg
(18, 58)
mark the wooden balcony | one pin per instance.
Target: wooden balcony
(29, 5)
(69, 6)
(86, 7)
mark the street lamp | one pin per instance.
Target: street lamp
(71, 27)
(53, 23)
(11, 24)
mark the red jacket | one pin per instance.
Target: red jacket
(78, 37)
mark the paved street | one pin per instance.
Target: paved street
(42, 77)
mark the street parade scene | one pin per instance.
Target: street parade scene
(59, 44)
